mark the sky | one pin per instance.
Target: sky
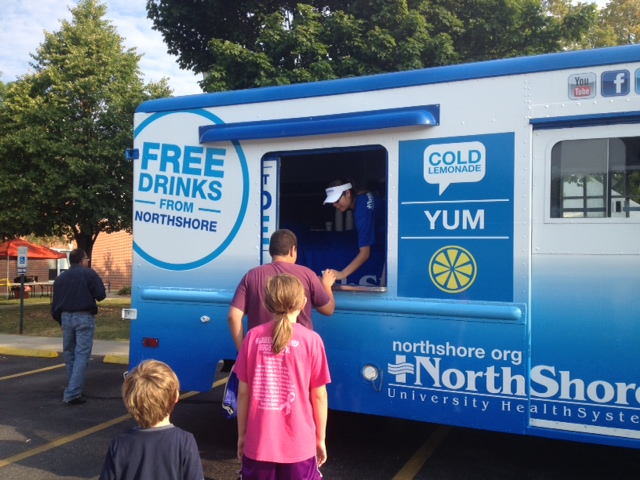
(23, 22)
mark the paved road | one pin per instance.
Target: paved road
(43, 439)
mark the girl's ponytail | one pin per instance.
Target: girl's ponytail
(284, 294)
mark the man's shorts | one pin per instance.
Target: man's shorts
(257, 470)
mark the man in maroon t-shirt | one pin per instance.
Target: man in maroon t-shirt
(249, 297)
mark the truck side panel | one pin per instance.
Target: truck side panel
(511, 257)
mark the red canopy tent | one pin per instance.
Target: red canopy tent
(9, 250)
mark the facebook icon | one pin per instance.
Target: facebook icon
(616, 83)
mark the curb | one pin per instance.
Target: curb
(25, 352)
(116, 359)
(22, 352)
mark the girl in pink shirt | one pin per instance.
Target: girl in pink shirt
(282, 396)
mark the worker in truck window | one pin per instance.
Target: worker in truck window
(369, 219)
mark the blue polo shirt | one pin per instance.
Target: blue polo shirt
(369, 220)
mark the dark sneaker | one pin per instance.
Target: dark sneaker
(76, 401)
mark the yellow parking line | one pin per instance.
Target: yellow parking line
(84, 433)
(62, 441)
(220, 382)
(25, 352)
(415, 463)
(30, 372)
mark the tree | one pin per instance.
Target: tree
(248, 43)
(618, 24)
(187, 27)
(3, 89)
(306, 45)
(494, 29)
(64, 130)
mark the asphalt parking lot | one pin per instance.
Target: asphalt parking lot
(41, 438)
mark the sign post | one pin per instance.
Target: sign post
(23, 253)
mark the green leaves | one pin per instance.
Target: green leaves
(618, 24)
(247, 43)
(310, 42)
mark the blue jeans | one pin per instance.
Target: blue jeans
(77, 341)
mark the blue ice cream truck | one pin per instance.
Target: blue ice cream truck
(511, 190)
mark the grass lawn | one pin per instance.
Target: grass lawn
(37, 320)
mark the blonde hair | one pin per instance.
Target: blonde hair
(283, 294)
(150, 391)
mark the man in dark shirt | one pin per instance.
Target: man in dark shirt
(75, 292)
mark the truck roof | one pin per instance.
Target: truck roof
(426, 76)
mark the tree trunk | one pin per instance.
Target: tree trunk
(85, 241)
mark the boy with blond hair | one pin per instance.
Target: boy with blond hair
(156, 448)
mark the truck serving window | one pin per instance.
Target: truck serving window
(328, 238)
(596, 178)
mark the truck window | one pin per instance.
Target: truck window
(328, 238)
(596, 178)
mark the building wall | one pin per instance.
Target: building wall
(111, 259)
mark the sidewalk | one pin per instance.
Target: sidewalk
(47, 347)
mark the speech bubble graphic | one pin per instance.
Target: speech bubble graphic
(449, 163)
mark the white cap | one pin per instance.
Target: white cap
(334, 193)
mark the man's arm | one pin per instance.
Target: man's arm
(328, 279)
(56, 309)
(96, 286)
(56, 313)
(320, 405)
(235, 325)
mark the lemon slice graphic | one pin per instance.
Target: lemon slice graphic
(452, 269)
